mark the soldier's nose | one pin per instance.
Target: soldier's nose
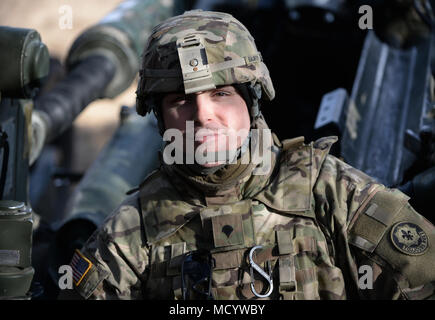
(203, 109)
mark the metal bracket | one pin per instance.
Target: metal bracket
(332, 109)
(194, 64)
(389, 98)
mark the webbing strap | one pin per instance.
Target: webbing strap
(177, 255)
(163, 265)
(286, 263)
(160, 73)
(287, 274)
(176, 287)
(228, 260)
(176, 73)
(284, 241)
(237, 62)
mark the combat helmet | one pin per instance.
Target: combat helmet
(198, 51)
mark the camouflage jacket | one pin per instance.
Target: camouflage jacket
(327, 231)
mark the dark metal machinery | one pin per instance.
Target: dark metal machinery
(387, 124)
(24, 64)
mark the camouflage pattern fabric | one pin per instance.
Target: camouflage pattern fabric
(318, 219)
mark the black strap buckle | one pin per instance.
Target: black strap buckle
(197, 267)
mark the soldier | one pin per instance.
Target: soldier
(301, 225)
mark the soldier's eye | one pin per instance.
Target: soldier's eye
(222, 93)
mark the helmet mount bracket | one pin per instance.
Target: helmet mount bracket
(194, 64)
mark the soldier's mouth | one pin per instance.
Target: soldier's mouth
(208, 137)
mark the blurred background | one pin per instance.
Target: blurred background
(96, 124)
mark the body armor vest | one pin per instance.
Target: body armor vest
(280, 217)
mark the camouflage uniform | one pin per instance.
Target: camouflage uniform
(317, 219)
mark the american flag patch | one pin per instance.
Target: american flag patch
(80, 266)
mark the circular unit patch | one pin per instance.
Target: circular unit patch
(409, 238)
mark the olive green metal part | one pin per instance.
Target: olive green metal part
(24, 62)
(16, 270)
(121, 37)
(15, 284)
(10, 206)
(15, 123)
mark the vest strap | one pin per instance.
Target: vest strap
(285, 243)
(177, 255)
(286, 264)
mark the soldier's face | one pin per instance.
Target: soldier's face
(220, 118)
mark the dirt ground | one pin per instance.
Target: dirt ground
(96, 124)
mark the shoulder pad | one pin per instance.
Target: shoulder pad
(162, 207)
(387, 226)
(374, 216)
(290, 190)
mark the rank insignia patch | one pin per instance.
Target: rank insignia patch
(409, 238)
(80, 266)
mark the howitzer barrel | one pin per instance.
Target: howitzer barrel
(85, 83)
(102, 62)
(121, 36)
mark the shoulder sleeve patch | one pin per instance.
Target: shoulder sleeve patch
(409, 238)
(409, 247)
(86, 275)
(80, 266)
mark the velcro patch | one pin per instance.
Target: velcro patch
(80, 266)
(227, 230)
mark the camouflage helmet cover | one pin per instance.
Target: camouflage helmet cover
(197, 51)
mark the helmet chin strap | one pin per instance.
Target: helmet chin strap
(255, 93)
